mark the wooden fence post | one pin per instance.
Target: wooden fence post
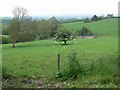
(58, 62)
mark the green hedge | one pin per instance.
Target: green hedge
(5, 39)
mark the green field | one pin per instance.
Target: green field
(37, 60)
(106, 27)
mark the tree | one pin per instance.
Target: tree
(85, 32)
(86, 20)
(43, 31)
(48, 28)
(14, 29)
(94, 18)
(55, 24)
(29, 32)
(64, 35)
(20, 25)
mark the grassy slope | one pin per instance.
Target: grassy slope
(39, 58)
(107, 27)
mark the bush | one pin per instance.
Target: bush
(5, 32)
(73, 68)
(105, 65)
(84, 32)
(86, 20)
(5, 39)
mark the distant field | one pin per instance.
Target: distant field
(38, 59)
(106, 27)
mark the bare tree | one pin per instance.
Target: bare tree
(18, 24)
(19, 13)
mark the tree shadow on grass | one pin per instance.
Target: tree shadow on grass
(68, 44)
(30, 45)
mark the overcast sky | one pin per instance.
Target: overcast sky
(60, 7)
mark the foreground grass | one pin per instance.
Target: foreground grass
(38, 59)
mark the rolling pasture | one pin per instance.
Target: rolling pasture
(37, 60)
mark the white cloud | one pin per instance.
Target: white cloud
(57, 7)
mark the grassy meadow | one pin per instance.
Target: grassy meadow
(36, 61)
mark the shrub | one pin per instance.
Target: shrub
(73, 68)
(86, 20)
(104, 65)
(5, 32)
(5, 39)
(84, 32)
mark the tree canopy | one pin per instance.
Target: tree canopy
(85, 32)
(64, 35)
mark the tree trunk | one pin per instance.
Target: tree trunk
(65, 42)
(13, 45)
